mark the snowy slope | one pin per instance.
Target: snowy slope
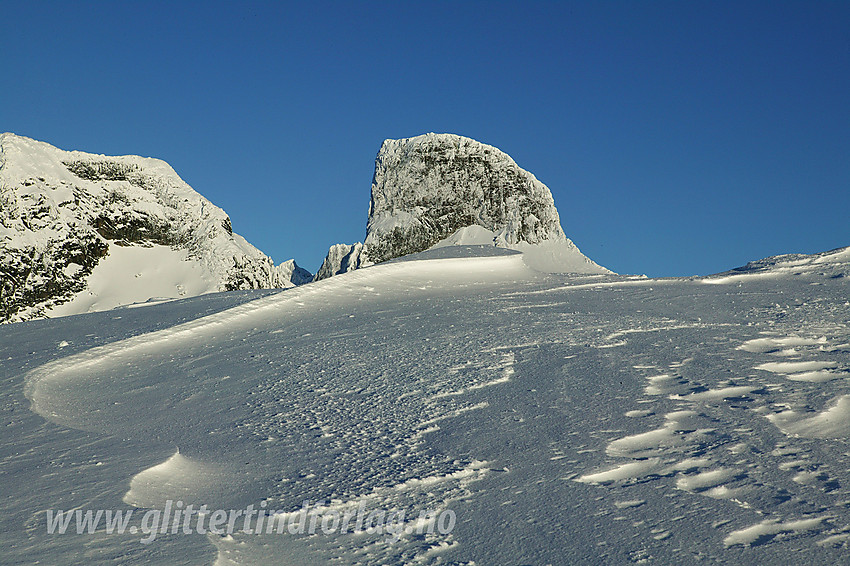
(564, 420)
(71, 222)
(432, 189)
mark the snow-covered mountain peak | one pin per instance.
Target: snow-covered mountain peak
(435, 190)
(427, 187)
(441, 189)
(72, 224)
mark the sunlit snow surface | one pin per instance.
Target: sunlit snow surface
(565, 419)
(131, 272)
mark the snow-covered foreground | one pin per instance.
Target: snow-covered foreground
(562, 419)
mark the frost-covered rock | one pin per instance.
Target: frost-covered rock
(290, 271)
(428, 187)
(343, 258)
(66, 214)
(443, 189)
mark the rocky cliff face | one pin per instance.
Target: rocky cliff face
(428, 189)
(64, 214)
(343, 258)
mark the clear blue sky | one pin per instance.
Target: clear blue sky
(678, 138)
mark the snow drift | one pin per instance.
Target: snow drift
(563, 419)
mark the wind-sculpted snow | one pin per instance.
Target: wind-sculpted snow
(594, 420)
(66, 218)
(306, 421)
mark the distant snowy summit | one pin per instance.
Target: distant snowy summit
(436, 190)
(834, 264)
(81, 232)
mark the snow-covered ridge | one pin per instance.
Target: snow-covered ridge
(800, 261)
(65, 213)
(832, 262)
(429, 190)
